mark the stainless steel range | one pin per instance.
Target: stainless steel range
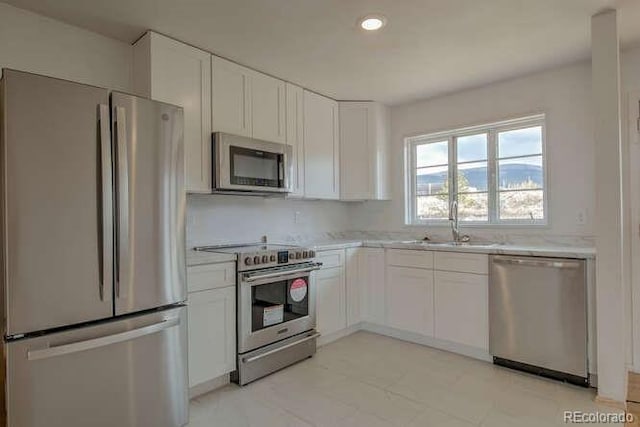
(275, 305)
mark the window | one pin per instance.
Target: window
(496, 173)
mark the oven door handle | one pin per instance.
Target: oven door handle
(280, 275)
(276, 350)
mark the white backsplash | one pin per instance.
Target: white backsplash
(218, 219)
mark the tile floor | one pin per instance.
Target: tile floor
(371, 380)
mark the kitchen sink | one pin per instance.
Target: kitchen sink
(470, 244)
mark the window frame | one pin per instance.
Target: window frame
(492, 130)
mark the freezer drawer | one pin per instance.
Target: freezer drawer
(538, 314)
(124, 373)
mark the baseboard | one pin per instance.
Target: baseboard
(465, 350)
(207, 386)
(611, 402)
(326, 339)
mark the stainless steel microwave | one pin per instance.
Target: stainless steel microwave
(242, 164)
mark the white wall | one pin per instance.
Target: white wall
(564, 94)
(222, 219)
(612, 319)
(41, 45)
(630, 82)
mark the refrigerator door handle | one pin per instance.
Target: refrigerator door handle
(75, 347)
(106, 232)
(122, 269)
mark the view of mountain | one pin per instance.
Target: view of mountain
(477, 177)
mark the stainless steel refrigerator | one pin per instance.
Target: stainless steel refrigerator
(93, 256)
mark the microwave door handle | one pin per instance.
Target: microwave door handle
(106, 230)
(123, 240)
(287, 166)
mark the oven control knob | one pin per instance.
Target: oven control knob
(305, 254)
(312, 254)
(248, 260)
(298, 255)
(256, 260)
(265, 259)
(272, 258)
(292, 255)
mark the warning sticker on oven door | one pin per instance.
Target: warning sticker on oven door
(298, 290)
(273, 315)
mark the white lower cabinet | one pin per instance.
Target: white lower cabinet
(354, 266)
(409, 299)
(373, 286)
(331, 315)
(212, 334)
(409, 291)
(462, 308)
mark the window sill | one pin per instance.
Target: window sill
(462, 225)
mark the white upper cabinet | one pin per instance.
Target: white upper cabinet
(321, 147)
(295, 130)
(169, 71)
(364, 151)
(268, 115)
(230, 97)
(246, 102)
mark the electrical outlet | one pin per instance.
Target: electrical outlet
(581, 217)
(297, 217)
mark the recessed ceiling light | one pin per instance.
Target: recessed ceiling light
(372, 22)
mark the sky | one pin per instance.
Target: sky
(519, 142)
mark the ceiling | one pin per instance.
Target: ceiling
(428, 48)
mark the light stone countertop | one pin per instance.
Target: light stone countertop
(201, 257)
(488, 248)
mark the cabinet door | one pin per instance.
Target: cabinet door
(462, 308)
(230, 97)
(330, 300)
(212, 334)
(295, 115)
(356, 155)
(353, 276)
(409, 293)
(181, 75)
(364, 151)
(321, 147)
(372, 296)
(268, 108)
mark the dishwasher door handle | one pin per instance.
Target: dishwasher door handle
(532, 262)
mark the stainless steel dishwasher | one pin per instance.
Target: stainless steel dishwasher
(538, 316)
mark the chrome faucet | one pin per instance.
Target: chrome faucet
(455, 227)
(453, 220)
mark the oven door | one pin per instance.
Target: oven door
(275, 304)
(245, 164)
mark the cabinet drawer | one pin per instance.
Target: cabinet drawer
(409, 258)
(331, 259)
(462, 262)
(211, 276)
